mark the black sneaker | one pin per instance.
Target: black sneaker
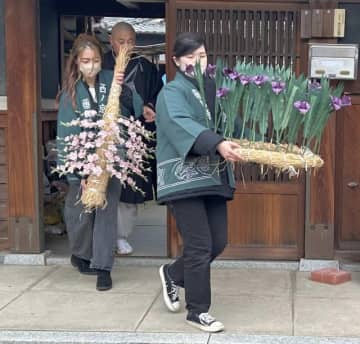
(204, 322)
(104, 281)
(170, 290)
(82, 265)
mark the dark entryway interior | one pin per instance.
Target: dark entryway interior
(60, 22)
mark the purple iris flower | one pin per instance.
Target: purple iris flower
(227, 71)
(211, 70)
(303, 106)
(234, 75)
(315, 86)
(244, 79)
(190, 69)
(258, 80)
(345, 100)
(336, 103)
(277, 86)
(222, 92)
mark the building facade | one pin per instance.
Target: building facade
(272, 216)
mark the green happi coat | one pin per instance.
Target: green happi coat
(84, 102)
(181, 118)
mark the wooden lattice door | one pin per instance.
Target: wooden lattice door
(266, 217)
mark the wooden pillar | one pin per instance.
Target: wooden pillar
(23, 98)
(319, 231)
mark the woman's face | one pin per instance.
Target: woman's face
(190, 59)
(89, 62)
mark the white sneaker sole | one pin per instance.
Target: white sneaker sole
(216, 327)
(171, 306)
(119, 253)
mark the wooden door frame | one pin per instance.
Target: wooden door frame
(24, 134)
(174, 242)
(321, 203)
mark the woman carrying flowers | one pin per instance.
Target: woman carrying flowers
(194, 179)
(92, 235)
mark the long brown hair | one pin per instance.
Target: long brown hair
(72, 74)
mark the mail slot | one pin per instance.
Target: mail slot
(333, 61)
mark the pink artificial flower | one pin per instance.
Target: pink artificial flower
(75, 142)
(99, 142)
(92, 157)
(97, 171)
(82, 154)
(109, 156)
(83, 135)
(89, 145)
(73, 156)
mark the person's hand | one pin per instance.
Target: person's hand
(119, 77)
(227, 150)
(149, 114)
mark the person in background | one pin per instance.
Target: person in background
(141, 76)
(195, 179)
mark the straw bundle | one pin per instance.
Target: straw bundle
(94, 195)
(281, 156)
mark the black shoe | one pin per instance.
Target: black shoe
(204, 322)
(170, 290)
(82, 265)
(104, 281)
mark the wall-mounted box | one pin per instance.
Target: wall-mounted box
(333, 61)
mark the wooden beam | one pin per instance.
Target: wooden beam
(319, 231)
(23, 98)
(128, 4)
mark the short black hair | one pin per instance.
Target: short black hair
(187, 42)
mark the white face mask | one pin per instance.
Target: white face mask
(203, 65)
(191, 59)
(90, 70)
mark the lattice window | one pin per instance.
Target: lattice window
(268, 37)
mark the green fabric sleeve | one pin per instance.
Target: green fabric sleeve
(175, 120)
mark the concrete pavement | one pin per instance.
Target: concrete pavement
(55, 304)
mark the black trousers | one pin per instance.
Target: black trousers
(92, 236)
(202, 223)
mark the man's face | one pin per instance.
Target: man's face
(122, 39)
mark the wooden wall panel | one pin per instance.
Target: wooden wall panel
(3, 192)
(4, 231)
(266, 222)
(24, 134)
(348, 178)
(4, 195)
(320, 222)
(3, 174)
(4, 211)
